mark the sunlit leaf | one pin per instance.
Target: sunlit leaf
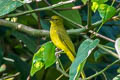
(49, 54)
(117, 77)
(95, 6)
(45, 56)
(106, 12)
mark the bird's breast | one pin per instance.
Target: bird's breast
(55, 37)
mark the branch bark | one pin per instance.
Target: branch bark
(37, 32)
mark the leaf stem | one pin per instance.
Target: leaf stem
(113, 2)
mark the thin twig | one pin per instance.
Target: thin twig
(62, 74)
(14, 75)
(103, 70)
(69, 8)
(39, 9)
(58, 64)
(109, 51)
(101, 36)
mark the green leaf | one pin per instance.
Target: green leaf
(95, 6)
(6, 6)
(116, 77)
(44, 56)
(83, 52)
(84, 1)
(37, 62)
(117, 46)
(49, 54)
(106, 12)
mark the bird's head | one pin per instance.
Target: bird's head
(56, 20)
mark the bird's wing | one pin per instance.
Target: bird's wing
(66, 41)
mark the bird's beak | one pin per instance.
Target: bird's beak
(48, 18)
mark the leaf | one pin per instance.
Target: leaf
(6, 6)
(117, 46)
(28, 41)
(83, 52)
(106, 12)
(116, 77)
(95, 6)
(49, 54)
(44, 56)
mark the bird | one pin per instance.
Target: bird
(60, 38)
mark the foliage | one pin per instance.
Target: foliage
(25, 46)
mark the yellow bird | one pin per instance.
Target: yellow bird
(60, 37)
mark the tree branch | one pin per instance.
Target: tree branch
(37, 32)
(24, 28)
